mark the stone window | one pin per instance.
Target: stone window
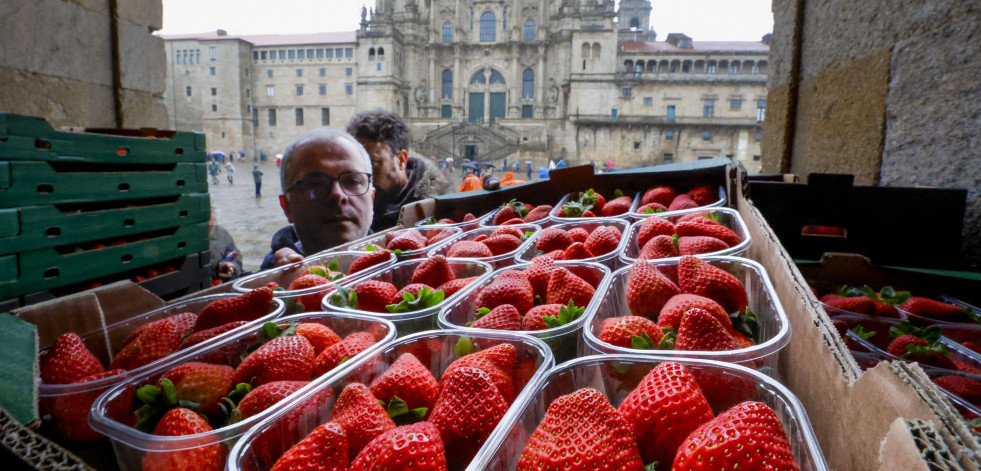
(270, 91)
(349, 52)
(299, 90)
(309, 53)
(214, 91)
(711, 68)
(668, 158)
(320, 53)
(479, 78)
(707, 135)
(756, 158)
(759, 136)
(323, 90)
(735, 103)
(299, 116)
(299, 72)
(325, 116)
(530, 30)
(371, 54)
(248, 92)
(378, 66)
(272, 116)
(246, 72)
(669, 135)
(708, 108)
(447, 85)
(625, 92)
(705, 157)
(349, 89)
(255, 55)
(488, 26)
(339, 52)
(446, 111)
(329, 53)
(282, 54)
(187, 91)
(323, 72)
(197, 55)
(269, 73)
(496, 77)
(734, 68)
(291, 54)
(527, 112)
(447, 32)
(349, 71)
(648, 101)
(760, 110)
(636, 145)
(211, 52)
(214, 107)
(527, 83)
(262, 55)
(381, 53)
(301, 54)
(212, 70)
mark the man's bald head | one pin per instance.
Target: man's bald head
(324, 135)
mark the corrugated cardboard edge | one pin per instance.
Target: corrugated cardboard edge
(35, 450)
(914, 445)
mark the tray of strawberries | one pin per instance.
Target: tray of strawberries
(409, 293)
(409, 243)
(436, 397)
(78, 367)
(934, 346)
(664, 199)
(186, 412)
(717, 231)
(591, 204)
(517, 212)
(598, 240)
(716, 308)
(498, 245)
(626, 412)
(889, 302)
(545, 299)
(303, 285)
(466, 222)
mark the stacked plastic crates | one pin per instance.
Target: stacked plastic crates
(85, 207)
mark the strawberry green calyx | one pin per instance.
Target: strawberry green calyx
(526, 235)
(925, 349)
(370, 248)
(518, 206)
(860, 332)
(344, 297)
(653, 211)
(713, 216)
(430, 222)
(156, 402)
(651, 467)
(480, 313)
(674, 241)
(618, 193)
(332, 273)
(746, 324)
(575, 209)
(642, 342)
(566, 315)
(229, 403)
(400, 413)
(930, 333)
(463, 347)
(423, 300)
(319, 271)
(271, 330)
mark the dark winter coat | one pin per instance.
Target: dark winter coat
(425, 181)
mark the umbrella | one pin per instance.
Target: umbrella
(609, 163)
(241, 152)
(449, 159)
(528, 162)
(488, 164)
(469, 165)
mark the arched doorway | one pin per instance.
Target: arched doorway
(487, 95)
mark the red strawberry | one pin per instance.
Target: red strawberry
(965, 368)
(202, 383)
(648, 290)
(324, 449)
(750, 427)
(581, 430)
(502, 244)
(451, 287)
(286, 358)
(652, 208)
(565, 286)
(208, 334)
(699, 331)
(184, 322)
(696, 276)
(933, 309)
(682, 201)
(264, 396)
(973, 346)
(341, 351)
(374, 295)
(509, 230)
(433, 272)
(652, 227)
(497, 361)
(588, 214)
(617, 206)
(661, 246)
(446, 221)
(540, 212)
(539, 272)
(578, 234)
(70, 412)
(502, 317)
(513, 221)
(923, 351)
(576, 251)
(436, 236)
(621, 331)
(362, 417)
(695, 245)
(701, 218)
(547, 316)
(310, 302)
(469, 249)
(506, 213)
(369, 259)
(406, 243)
(885, 309)
(663, 410)
(741, 340)
(509, 287)
(468, 217)
(320, 336)
(417, 447)
(247, 307)
(963, 387)
(552, 238)
(603, 240)
(408, 379)
(482, 237)
(677, 306)
(467, 410)
(718, 231)
(898, 347)
(703, 195)
(662, 195)
(68, 360)
(157, 340)
(859, 304)
(413, 289)
(180, 422)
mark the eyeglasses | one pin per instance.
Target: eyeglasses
(316, 185)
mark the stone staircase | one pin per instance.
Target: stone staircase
(495, 142)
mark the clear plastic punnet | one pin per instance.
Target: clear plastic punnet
(727, 217)
(773, 331)
(564, 340)
(881, 331)
(616, 376)
(112, 412)
(555, 218)
(925, 320)
(611, 259)
(465, 225)
(528, 232)
(266, 442)
(287, 274)
(106, 343)
(381, 240)
(634, 214)
(400, 275)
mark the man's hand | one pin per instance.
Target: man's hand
(286, 256)
(225, 270)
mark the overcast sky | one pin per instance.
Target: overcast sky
(705, 20)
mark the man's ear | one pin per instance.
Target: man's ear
(372, 193)
(283, 203)
(403, 158)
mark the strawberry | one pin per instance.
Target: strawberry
(540, 212)
(284, 358)
(320, 336)
(412, 289)
(507, 212)
(576, 251)
(209, 334)
(342, 351)
(752, 428)
(648, 290)
(180, 422)
(202, 383)
(502, 317)
(682, 201)
(68, 360)
(677, 306)
(417, 447)
(408, 380)
(467, 410)
(325, 448)
(369, 259)
(310, 302)
(603, 240)
(652, 208)
(502, 244)
(742, 341)
(578, 234)
(373, 295)
(965, 368)
(617, 206)
(963, 387)
(933, 309)
(509, 287)
(588, 214)
(663, 410)
(406, 243)
(547, 316)
(701, 218)
(696, 276)
(973, 346)
(539, 272)
(884, 309)
(699, 331)
(718, 231)
(436, 236)
(898, 346)
(652, 227)
(662, 195)
(916, 349)
(857, 304)
(434, 271)
(468, 217)
(581, 430)
(451, 287)
(507, 230)
(513, 221)
(264, 396)
(70, 412)
(661, 246)
(157, 340)
(247, 307)
(497, 361)
(703, 195)
(362, 417)
(469, 249)
(565, 286)
(695, 245)
(629, 332)
(552, 238)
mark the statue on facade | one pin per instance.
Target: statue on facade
(553, 93)
(420, 96)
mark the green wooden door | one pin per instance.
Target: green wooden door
(498, 106)
(476, 114)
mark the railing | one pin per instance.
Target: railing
(496, 141)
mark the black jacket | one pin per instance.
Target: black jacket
(285, 237)
(425, 181)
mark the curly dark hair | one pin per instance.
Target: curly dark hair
(380, 126)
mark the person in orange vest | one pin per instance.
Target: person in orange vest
(510, 180)
(470, 183)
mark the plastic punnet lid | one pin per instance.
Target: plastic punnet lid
(727, 217)
(288, 273)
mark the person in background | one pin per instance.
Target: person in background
(327, 195)
(230, 169)
(257, 178)
(529, 171)
(509, 180)
(470, 183)
(398, 178)
(226, 263)
(213, 169)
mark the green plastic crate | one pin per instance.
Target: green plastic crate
(47, 183)
(35, 227)
(31, 138)
(47, 268)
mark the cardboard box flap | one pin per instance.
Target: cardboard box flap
(123, 300)
(913, 445)
(38, 452)
(79, 313)
(949, 422)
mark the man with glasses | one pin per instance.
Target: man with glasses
(327, 195)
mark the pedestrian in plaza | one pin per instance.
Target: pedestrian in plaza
(230, 171)
(226, 263)
(257, 178)
(213, 170)
(529, 171)
(327, 195)
(398, 178)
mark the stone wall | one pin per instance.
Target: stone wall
(57, 63)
